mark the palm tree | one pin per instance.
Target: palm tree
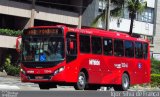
(117, 6)
(134, 6)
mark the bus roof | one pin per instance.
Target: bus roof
(97, 32)
(109, 34)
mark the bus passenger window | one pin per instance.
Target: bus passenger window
(129, 49)
(96, 45)
(84, 43)
(107, 46)
(118, 48)
(138, 50)
(145, 50)
(71, 38)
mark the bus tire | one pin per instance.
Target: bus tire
(44, 86)
(81, 83)
(125, 83)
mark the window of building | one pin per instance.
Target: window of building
(96, 45)
(138, 50)
(118, 48)
(129, 49)
(126, 13)
(146, 15)
(145, 50)
(102, 4)
(107, 46)
(84, 43)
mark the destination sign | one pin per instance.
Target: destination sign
(43, 31)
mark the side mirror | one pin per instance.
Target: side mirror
(71, 45)
(18, 44)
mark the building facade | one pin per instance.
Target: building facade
(156, 42)
(143, 24)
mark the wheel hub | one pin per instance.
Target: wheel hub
(81, 80)
(125, 82)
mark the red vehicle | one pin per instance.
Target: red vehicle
(85, 58)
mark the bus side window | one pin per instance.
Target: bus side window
(118, 48)
(96, 45)
(84, 43)
(107, 46)
(145, 50)
(138, 50)
(129, 49)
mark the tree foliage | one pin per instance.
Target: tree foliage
(134, 7)
(10, 32)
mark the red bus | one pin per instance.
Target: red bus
(85, 58)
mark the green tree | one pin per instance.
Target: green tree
(117, 6)
(134, 7)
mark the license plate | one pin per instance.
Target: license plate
(38, 77)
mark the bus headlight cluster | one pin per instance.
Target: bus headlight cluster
(58, 70)
(23, 71)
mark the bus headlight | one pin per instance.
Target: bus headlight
(58, 70)
(23, 71)
(61, 69)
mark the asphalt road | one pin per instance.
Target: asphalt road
(14, 83)
(13, 87)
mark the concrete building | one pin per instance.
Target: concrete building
(156, 42)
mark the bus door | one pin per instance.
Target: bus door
(96, 61)
(140, 65)
(146, 62)
(108, 58)
(119, 62)
(71, 55)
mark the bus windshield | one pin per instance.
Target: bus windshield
(42, 48)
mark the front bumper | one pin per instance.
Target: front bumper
(60, 77)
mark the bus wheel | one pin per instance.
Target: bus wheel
(80, 85)
(44, 86)
(125, 83)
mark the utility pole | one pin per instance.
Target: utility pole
(107, 15)
(80, 15)
(32, 13)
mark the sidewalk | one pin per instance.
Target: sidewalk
(3, 74)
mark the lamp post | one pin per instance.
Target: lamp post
(32, 13)
(80, 15)
(107, 15)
